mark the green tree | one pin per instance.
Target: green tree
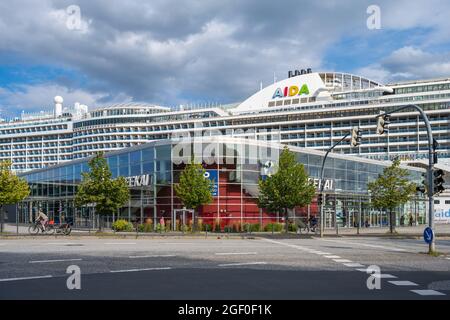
(99, 189)
(194, 189)
(289, 187)
(391, 189)
(12, 188)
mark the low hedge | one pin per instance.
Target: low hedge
(122, 225)
(276, 227)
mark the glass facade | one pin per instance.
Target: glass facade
(235, 166)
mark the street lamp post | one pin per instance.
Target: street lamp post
(432, 246)
(322, 225)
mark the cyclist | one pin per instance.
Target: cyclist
(313, 223)
(42, 218)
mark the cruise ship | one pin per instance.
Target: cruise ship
(307, 109)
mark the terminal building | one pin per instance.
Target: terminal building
(234, 165)
(308, 110)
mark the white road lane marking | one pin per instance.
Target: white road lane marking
(241, 264)
(234, 253)
(342, 260)
(25, 278)
(178, 243)
(323, 253)
(403, 283)
(119, 243)
(366, 245)
(153, 256)
(143, 269)
(61, 243)
(428, 292)
(332, 257)
(56, 260)
(353, 264)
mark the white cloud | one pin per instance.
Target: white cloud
(408, 63)
(31, 98)
(171, 52)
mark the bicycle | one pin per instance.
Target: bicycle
(35, 227)
(307, 228)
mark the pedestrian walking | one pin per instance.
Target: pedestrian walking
(402, 220)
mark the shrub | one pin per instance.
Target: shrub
(277, 227)
(122, 225)
(199, 224)
(293, 227)
(160, 228)
(207, 227)
(217, 227)
(141, 227)
(185, 228)
(255, 227)
(228, 229)
(148, 227)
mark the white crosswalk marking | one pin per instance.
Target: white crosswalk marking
(143, 269)
(403, 283)
(428, 292)
(381, 275)
(384, 276)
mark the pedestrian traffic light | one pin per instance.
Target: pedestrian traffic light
(382, 122)
(438, 182)
(420, 188)
(355, 137)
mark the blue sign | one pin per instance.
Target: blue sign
(428, 235)
(214, 177)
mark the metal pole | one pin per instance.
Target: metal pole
(432, 246)
(322, 225)
(17, 218)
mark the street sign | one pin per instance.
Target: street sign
(428, 235)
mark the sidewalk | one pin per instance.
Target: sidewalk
(441, 230)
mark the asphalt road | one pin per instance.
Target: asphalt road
(331, 268)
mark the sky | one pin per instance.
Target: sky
(172, 52)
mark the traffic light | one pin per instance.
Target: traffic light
(438, 182)
(435, 146)
(423, 186)
(382, 122)
(356, 137)
(319, 199)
